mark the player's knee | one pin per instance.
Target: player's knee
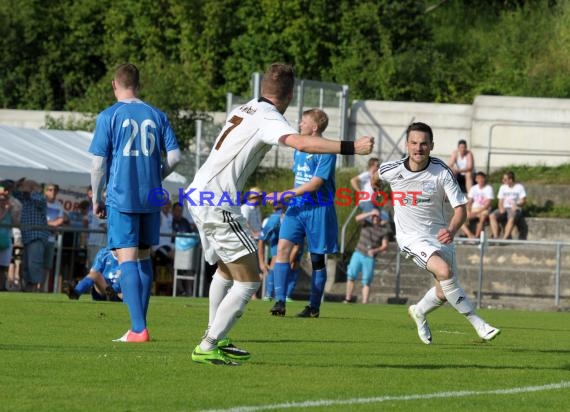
(317, 261)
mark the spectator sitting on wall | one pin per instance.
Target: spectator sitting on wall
(512, 197)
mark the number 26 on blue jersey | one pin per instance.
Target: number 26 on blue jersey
(147, 137)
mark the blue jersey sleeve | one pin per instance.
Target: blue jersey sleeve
(101, 143)
(325, 166)
(272, 225)
(170, 142)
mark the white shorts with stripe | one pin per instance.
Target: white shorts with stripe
(421, 249)
(225, 235)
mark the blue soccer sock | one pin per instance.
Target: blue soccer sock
(146, 276)
(280, 271)
(292, 282)
(131, 287)
(269, 283)
(318, 281)
(84, 285)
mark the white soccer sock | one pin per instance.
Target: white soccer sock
(429, 302)
(218, 291)
(456, 296)
(229, 310)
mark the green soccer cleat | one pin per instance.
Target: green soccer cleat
(213, 357)
(232, 351)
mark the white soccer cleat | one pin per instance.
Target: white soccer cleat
(423, 329)
(487, 332)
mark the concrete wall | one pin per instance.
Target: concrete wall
(500, 130)
(33, 119)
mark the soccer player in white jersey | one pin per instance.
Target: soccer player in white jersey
(129, 140)
(423, 187)
(249, 133)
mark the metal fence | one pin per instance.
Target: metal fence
(70, 259)
(482, 244)
(330, 97)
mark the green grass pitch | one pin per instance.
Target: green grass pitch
(57, 355)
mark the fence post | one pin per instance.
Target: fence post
(198, 144)
(557, 275)
(398, 274)
(482, 246)
(57, 272)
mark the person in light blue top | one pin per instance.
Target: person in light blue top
(102, 279)
(128, 145)
(311, 213)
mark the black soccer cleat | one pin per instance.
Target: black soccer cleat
(70, 292)
(278, 309)
(111, 294)
(309, 312)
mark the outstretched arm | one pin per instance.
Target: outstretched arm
(313, 144)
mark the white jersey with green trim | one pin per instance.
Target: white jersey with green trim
(423, 201)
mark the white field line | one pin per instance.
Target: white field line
(379, 399)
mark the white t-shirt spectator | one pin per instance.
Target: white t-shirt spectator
(511, 195)
(365, 186)
(480, 195)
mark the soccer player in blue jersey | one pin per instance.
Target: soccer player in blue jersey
(311, 213)
(102, 279)
(130, 139)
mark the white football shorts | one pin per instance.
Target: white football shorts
(225, 235)
(420, 250)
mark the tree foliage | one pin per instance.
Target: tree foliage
(60, 54)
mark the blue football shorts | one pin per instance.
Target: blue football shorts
(318, 224)
(132, 229)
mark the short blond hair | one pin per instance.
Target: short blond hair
(319, 117)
